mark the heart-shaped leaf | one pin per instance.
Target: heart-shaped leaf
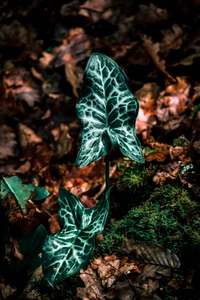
(108, 111)
(67, 251)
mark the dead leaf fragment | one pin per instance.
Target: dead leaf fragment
(151, 14)
(8, 142)
(63, 140)
(73, 50)
(54, 223)
(153, 49)
(27, 136)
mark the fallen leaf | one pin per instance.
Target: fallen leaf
(172, 39)
(46, 59)
(158, 153)
(8, 143)
(54, 225)
(73, 50)
(27, 136)
(63, 140)
(151, 14)
(153, 50)
(94, 9)
(18, 83)
(70, 8)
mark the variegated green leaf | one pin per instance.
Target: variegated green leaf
(108, 111)
(14, 185)
(67, 251)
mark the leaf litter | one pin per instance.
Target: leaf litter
(39, 134)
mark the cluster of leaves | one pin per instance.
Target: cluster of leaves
(134, 271)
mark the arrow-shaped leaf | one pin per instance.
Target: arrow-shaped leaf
(66, 252)
(108, 111)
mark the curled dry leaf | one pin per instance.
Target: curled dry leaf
(74, 49)
(146, 117)
(169, 171)
(27, 136)
(70, 8)
(151, 14)
(7, 290)
(173, 103)
(54, 223)
(46, 59)
(63, 140)
(75, 76)
(93, 290)
(172, 39)
(33, 147)
(95, 10)
(19, 84)
(158, 153)
(153, 49)
(8, 142)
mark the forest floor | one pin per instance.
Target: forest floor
(44, 48)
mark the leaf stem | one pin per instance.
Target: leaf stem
(107, 162)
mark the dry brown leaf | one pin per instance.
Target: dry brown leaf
(74, 49)
(172, 39)
(19, 84)
(70, 8)
(87, 201)
(92, 290)
(168, 171)
(176, 152)
(173, 103)
(149, 289)
(54, 225)
(153, 49)
(63, 140)
(196, 146)
(95, 10)
(73, 77)
(7, 290)
(27, 136)
(159, 152)
(146, 117)
(124, 279)
(8, 142)
(151, 14)
(46, 59)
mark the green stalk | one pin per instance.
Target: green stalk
(107, 162)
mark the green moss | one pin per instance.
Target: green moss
(168, 217)
(111, 243)
(137, 178)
